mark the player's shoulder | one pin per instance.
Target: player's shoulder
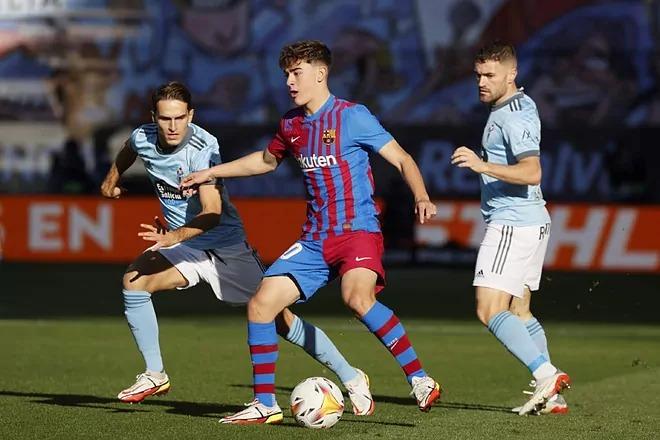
(149, 129)
(145, 133)
(519, 107)
(527, 104)
(346, 105)
(354, 112)
(200, 138)
(294, 113)
(519, 103)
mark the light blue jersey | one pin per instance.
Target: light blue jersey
(513, 132)
(199, 150)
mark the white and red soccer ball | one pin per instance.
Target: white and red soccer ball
(317, 402)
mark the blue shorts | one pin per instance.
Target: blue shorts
(313, 264)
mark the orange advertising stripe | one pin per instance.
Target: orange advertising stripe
(73, 229)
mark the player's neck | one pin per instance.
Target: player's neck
(317, 102)
(509, 93)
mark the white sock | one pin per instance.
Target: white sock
(546, 369)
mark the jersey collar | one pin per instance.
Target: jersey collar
(516, 95)
(327, 105)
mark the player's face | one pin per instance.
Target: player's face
(304, 81)
(172, 117)
(495, 80)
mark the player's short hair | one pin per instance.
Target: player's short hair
(496, 51)
(305, 51)
(171, 90)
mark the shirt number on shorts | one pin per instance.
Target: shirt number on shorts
(293, 250)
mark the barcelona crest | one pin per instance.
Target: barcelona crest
(329, 136)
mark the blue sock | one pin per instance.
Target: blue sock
(262, 339)
(383, 323)
(511, 332)
(315, 342)
(139, 311)
(537, 333)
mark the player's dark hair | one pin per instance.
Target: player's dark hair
(307, 51)
(171, 90)
(496, 51)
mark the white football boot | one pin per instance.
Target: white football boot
(147, 384)
(358, 391)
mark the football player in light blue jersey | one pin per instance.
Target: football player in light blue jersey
(510, 258)
(204, 241)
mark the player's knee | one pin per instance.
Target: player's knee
(132, 281)
(261, 308)
(486, 312)
(359, 302)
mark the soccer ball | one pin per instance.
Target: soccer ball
(317, 402)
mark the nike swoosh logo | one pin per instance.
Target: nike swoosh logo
(293, 139)
(362, 258)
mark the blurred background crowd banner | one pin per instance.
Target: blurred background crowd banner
(76, 78)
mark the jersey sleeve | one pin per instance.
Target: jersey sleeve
(131, 139)
(277, 146)
(206, 158)
(523, 136)
(364, 129)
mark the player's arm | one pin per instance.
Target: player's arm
(527, 171)
(259, 162)
(209, 217)
(125, 158)
(402, 161)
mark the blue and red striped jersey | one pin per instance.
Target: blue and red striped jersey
(332, 147)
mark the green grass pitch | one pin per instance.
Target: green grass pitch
(59, 379)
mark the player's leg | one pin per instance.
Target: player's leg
(533, 268)
(538, 403)
(520, 307)
(273, 296)
(358, 287)
(315, 342)
(149, 273)
(499, 276)
(318, 345)
(357, 257)
(236, 275)
(493, 312)
(297, 274)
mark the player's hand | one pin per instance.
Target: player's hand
(464, 157)
(112, 192)
(424, 210)
(196, 178)
(156, 233)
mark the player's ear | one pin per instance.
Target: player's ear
(513, 73)
(321, 73)
(153, 116)
(191, 112)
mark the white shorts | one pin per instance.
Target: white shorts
(511, 257)
(233, 272)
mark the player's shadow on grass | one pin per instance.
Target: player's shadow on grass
(196, 409)
(408, 401)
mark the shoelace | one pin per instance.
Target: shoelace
(532, 384)
(254, 402)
